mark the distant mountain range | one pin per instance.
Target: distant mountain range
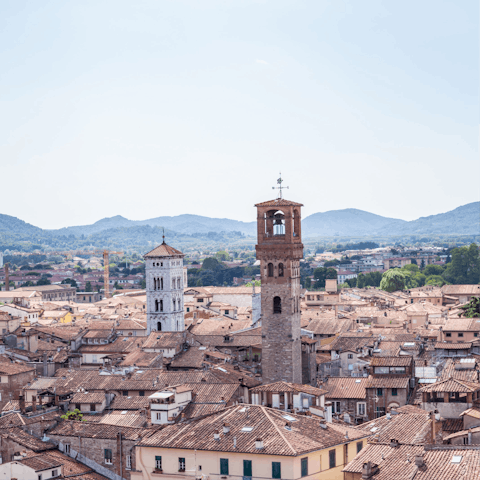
(464, 220)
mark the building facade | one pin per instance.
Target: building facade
(164, 285)
(279, 250)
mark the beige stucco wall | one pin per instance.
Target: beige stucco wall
(318, 464)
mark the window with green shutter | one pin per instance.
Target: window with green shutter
(276, 470)
(304, 467)
(158, 462)
(359, 446)
(247, 468)
(224, 466)
(332, 458)
(108, 456)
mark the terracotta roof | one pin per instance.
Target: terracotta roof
(88, 397)
(120, 419)
(452, 424)
(450, 370)
(451, 385)
(472, 412)
(304, 434)
(69, 428)
(391, 361)
(461, 289)
(345, 387)
(163, 250)
(129, 403)
(329, 326)
(387, 382)
(281, 387)
(406, 428)
(29, 441)
(164, 340)
(453, 346)
(41, 462)
(279, 202)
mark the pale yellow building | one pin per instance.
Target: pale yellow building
(246, 442)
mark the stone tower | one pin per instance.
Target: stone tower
(164, 284)
(279, 250)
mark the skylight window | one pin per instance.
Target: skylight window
(358, 380)
(374, 429)
(247, 429)
(456, 459)
(289, 418)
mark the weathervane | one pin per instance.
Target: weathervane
(280, 188)
(163, 236)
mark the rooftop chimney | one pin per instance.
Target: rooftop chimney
(369, 469)
(394, 443)
(259, 443)
(419, 460)
(216, 435)
(226, 428)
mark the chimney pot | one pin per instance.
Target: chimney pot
(259, 443)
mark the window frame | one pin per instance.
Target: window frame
(359, 446)
(108, 458)
(394, 392)
(158, 462)
(181, 464)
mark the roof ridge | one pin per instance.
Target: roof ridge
(278, 429)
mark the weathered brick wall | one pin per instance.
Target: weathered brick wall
(14, 386)
(94, 448)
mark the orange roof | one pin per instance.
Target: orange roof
(163, 250)
(279, 202)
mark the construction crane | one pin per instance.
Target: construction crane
(106, 271)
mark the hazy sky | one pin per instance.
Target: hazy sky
(150, 108)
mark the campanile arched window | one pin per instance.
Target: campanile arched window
(280, 269)
(277, 305)
(270, 269)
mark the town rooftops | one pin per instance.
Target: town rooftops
(439, 462)
(88, 397)
(461, 289)
(163, 250)
(345, 387)
(279, 434)
(281, 387)
(391, 361)
(451, 385)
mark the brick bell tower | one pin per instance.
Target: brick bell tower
(279, 249)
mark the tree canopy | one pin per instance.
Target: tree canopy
(393, 280)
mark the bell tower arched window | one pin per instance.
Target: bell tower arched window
(277, 305)
(156, 305)
(154, 283)
(161, 283)
(161, 305)
(159, 326)
(279, 223)
(270, 269)
(280, 269)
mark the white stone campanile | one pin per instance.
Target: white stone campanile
(164, 284)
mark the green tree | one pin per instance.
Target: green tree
(437, 280)
(44, 281)
(464, 267)
(70, 281)
(412, 267)
(393, 280)
(361, 280)
(74, 415)
(258, 283)
(472, 308)
(433, 270)
(222, 255)
(88, 287)
(199, 283)
(211, 263)
(420, 279)
(321, 274)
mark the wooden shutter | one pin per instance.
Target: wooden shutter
(247, 468)
(224, 466)
(276, 470)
